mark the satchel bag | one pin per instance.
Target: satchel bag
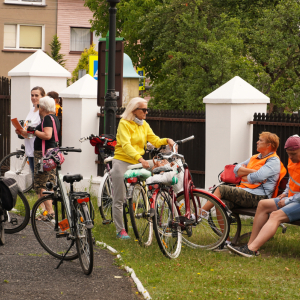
(228, 175)
(50, 164)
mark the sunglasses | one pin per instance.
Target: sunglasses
(38, 106)
(143, 109)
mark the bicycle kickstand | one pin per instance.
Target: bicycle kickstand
(61, 261)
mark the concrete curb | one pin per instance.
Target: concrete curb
(138, 283)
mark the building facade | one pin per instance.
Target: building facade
(74, 30)
(29, 25)
(25, 26)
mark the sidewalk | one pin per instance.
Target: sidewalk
(28, 272)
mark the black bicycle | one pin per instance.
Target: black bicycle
(60, 219)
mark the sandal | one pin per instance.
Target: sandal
(46, 218)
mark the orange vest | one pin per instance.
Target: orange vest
(294, 183)
(256, 164)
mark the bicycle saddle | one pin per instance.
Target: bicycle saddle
(72, 178)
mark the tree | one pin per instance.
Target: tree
(83, 62)
(189, 48)
(55, 49)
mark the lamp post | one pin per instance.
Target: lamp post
(110, 105)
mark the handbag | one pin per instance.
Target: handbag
(50, 164)
(8, 193)
(160, 163)
(228, 175)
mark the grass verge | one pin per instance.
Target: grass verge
(212, 275)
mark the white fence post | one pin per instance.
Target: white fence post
(39, 69)
(80, 120)
(228, 136)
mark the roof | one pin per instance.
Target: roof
(236, 90)
(85, 87)
(39, 64)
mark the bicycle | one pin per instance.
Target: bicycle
(178, 217)
(138, 202)
(105, 146)
(17, 163)
(71, 221)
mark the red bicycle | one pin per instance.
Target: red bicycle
(179, 217)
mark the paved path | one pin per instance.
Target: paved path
(28, 272)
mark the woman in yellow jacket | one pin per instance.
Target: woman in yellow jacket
(132, 136)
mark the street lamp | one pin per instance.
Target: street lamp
(110, 105)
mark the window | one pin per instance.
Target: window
(26, 2)
(23, 36)
(81, 38)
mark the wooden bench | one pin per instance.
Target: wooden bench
(237, 212)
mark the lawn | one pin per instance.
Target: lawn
(208, 274)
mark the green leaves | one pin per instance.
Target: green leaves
(189, 48)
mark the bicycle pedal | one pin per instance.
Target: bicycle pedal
(62, 234)
(106, 222)
(174, 234)
(189, 231)
(184, 220)
(89, 225)
(232, 220)
(151, 212)
(14, 221)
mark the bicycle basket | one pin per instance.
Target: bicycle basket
(108, 139)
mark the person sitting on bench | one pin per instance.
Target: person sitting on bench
(283, 209)
(260, 177)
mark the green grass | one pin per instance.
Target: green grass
(212, 275)
(208, 274)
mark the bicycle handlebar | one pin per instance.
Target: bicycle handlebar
(185, 140)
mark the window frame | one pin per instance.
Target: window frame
(23, 2)
(17, 48)
(91, 39)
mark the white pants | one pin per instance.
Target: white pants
(119, 167)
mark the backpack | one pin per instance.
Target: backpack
(8, 192)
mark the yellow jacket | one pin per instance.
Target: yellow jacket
(132, 140)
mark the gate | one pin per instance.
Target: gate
(176, 125)
(4, 117)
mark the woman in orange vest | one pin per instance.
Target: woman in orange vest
(285, 208)
(260, 175)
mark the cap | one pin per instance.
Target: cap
(293, 143)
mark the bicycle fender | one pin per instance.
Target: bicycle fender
(100, 189)
(206, 193)
(153, 198)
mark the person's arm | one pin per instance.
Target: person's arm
(155, 140)
(44, 135)
(270, 168)
(239, 168)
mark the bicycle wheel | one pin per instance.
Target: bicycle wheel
(105, 195)
(52, 237)
(141, 223)
(19, 216)
(16, 163)
(2, 236)
(168, 237)
(84, 243)
(210, 232)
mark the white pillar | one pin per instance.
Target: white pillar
(39, 69)
(228, 136)
(80, 120)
